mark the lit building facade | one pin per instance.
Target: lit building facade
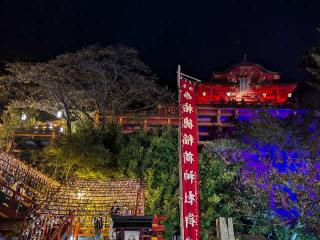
(245, 83)
(238, 94)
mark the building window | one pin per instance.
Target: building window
(243, 84)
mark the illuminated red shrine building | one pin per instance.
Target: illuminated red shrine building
(245, 83)
(238, 94)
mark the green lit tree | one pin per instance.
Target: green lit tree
(161, 173)
(153, 157)
(81, 154)
(13, 118)
(218, 184)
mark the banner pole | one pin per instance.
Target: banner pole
(179, 151)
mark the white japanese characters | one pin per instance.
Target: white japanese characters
(187, 108)
(188, 157)
(189, 198)
(189, 176)
(188, 139)
(190, 220)
(189, 162)
(187, 123)
(187, 96)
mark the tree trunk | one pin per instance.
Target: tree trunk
(55, 171)
(68, 119)
(103, 118)
(68, 126)
(67, 173)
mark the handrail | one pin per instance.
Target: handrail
(33, 210)
(42, 231)
(68, 221)
(16, 197)
(25, 184)
(27, 228)
(26, 169)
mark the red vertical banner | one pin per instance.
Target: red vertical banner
(189, 161)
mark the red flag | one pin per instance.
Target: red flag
(189, 161)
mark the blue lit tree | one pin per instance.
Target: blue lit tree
(281, 164)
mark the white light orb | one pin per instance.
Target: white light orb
(23, 117)
(59, 114)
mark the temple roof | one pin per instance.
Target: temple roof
(247, 69)
(246, 62)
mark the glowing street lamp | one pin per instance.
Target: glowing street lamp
(59, 114)
(79, 194)
(24, 117)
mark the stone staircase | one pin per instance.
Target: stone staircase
(52, 209)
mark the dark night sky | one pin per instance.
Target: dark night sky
(201, 35)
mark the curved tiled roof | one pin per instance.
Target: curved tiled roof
(249, 64)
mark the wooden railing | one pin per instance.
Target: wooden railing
(64, 229)
(13, 203)
(158, 227)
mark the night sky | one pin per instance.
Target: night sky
(202, 36)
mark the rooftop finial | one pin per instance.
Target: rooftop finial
(245, 57)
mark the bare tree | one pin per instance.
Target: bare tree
(114, 80)
(107, 80)
(43, 86)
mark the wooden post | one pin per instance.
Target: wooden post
(179, 151)
(59, 235)
(145, 124)
(122, 233)
(225, 230)
(120, 121)
(77, 230)
(219, 120)
(10, 142)
(70, 225)
(277, 96)
(217, 229)
(230, 229)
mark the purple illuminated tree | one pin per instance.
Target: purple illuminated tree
(281, 163)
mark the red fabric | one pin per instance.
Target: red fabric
(189, 160)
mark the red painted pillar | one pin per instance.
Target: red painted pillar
(77, 230)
